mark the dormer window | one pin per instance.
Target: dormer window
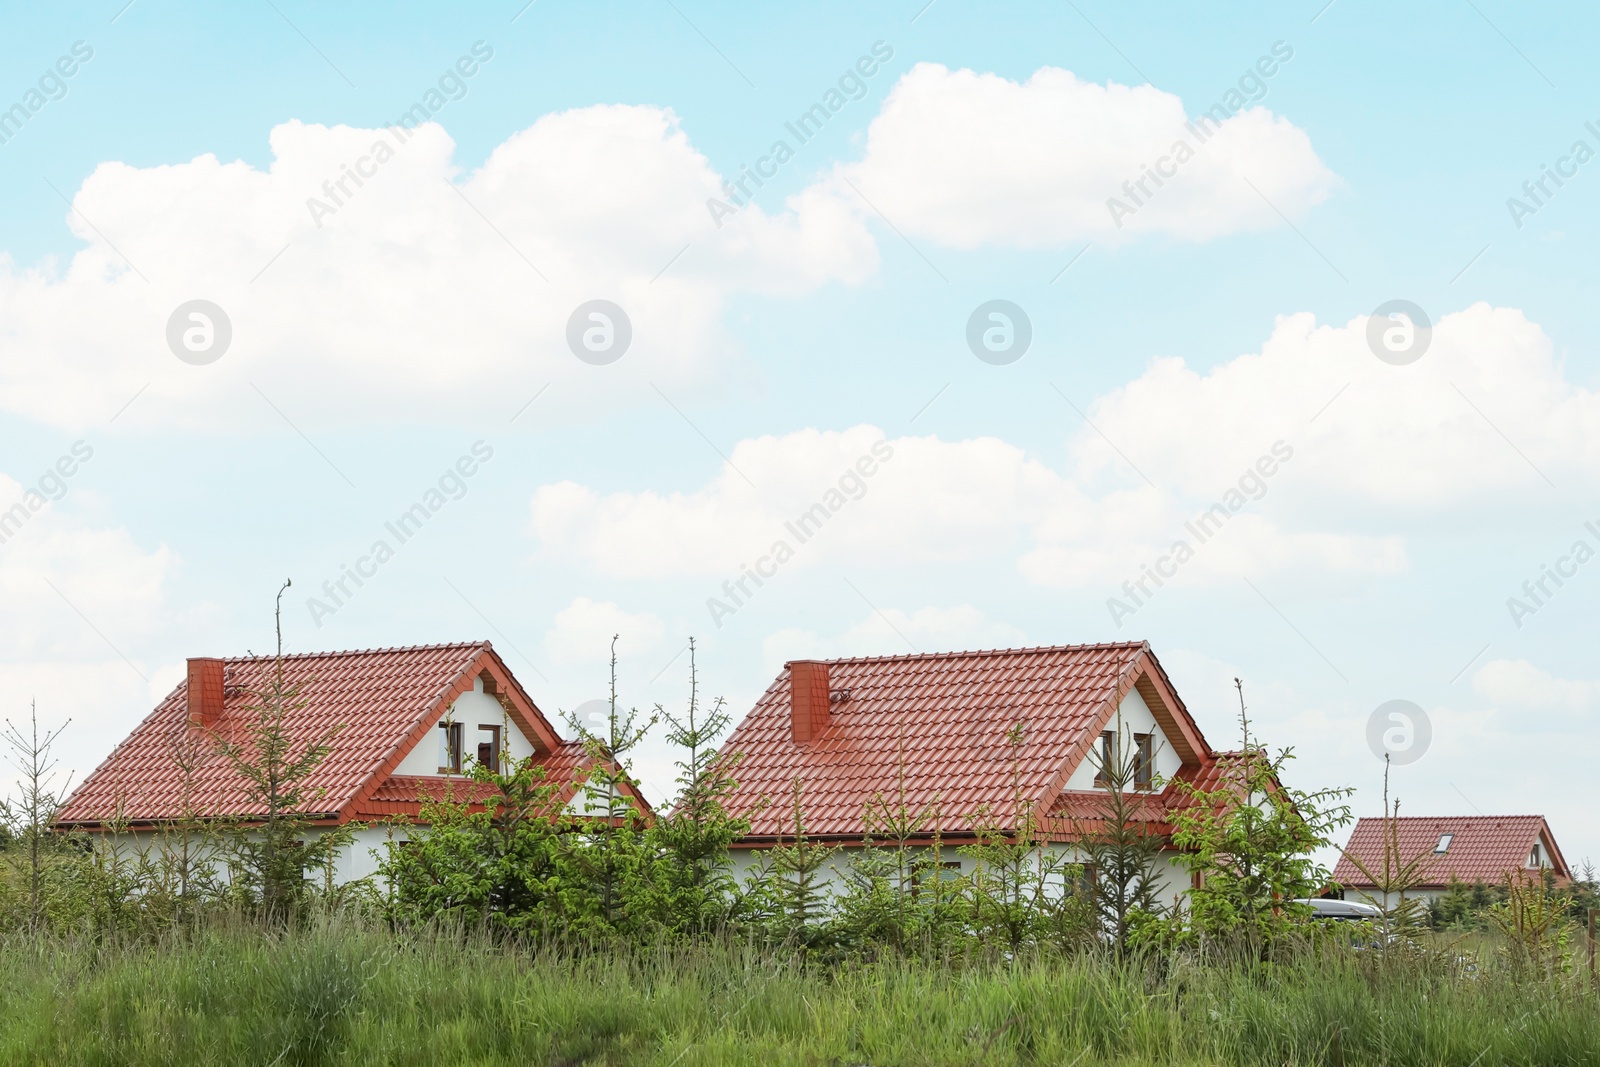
(1444, 844)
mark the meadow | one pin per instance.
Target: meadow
(337, 992)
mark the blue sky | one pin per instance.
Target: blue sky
(374, 345)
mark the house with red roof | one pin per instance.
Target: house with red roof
(409, 722)
(1469, 849)
(966, 739)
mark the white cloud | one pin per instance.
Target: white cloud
(925, 501)
(1395, 435)
(892, 632)
(581, 632)
(415, 299)
(96, 704)
(1265, 440)
(53, 567)
(69, 590)
(968, 159)
(1519, 685)
(931, 501)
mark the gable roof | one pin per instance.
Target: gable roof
(383, 701)
(937, 723)
(1483, 848)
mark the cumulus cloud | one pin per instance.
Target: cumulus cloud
(925, 500)
(969, 159)
(1265, 441)
(69, 588)
(894, 631)
(421, 293)
(928, 501)
(1430, 434)
(53, 567)
(1519, 685)
(581, 632)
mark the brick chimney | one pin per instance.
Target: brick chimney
(205, 692)
(808, 698)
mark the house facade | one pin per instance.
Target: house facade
(1468, 849)
(966, 740)
(409, 722)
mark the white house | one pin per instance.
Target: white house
(408, 721)
(1453, 849)
(966, 738)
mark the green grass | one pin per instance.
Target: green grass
(339, 995)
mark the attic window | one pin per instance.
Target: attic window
(1444, 844)
(449, 748)
(1108, 758)
(1144, 762)
(1535, 859)
(489, 747)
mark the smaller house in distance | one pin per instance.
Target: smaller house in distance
(410, 722)
(1469, 849)
(968, 740)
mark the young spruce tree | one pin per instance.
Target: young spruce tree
(274, 847)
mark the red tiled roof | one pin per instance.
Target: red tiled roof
(938, 723)
(1082, 811)
(404, 794)
(383, 700)
(1483, 848)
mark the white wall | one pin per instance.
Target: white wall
(472, 710)
(1136, 718)
(356, 860)
(1172, 879)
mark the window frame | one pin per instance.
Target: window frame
(1108, 758)
(450, 747)
(495, 741)
(1144, 764)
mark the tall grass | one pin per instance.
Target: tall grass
(341, 994)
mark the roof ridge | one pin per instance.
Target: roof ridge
(252, 658)
(973, 653)
(1439, 818)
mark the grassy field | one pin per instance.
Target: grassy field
(348, 996)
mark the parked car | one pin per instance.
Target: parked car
(1342, 910)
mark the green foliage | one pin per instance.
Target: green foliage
(1250, 840)
(1464, 907)
(1121, 849)
(693, 887)
(1533, 924)
(607, 849)
(34, 855)
(1022, 893)
(496, 865)
(786, 894)
(271, 856)
(899, 896)
(340, 993)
